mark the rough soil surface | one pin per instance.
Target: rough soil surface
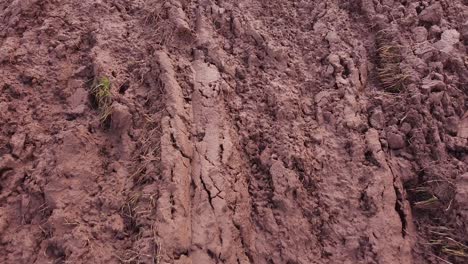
(270, 131)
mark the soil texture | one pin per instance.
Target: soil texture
(218, 131)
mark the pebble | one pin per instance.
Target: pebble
(464, 31)
(452, 125)
(405, 128)
(376, 120)
(420, 34)
(432, 86)
(121, 117)
(17, 143)
(432, 14)
(395, 141)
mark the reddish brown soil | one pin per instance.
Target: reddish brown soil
(241, 132)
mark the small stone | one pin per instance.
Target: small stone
(395, 141)
(79, 110)
(265, 157)
(17, 143)
(60, 51)
(83, 71)
(463, 127)
(328, 117)
(461, 196)
(79, 97)
(52, 195)
(63, 37)
(388, 2)
(451, 36)
(464, 32)
(435, 30)
(7, 162)
(405, 128)
(116, 223)
(379, 20)
(436, 66)
(436, 98)
(405, 170)
(322, 97)
(383, 143)
(418, 64)
(316, 137)
(120, 117)
(237, 27)
(423, 49)
(240, 73)
(214, 9)
(8, 48)
(320, 28)
(4, 217)
(452, 125)
(429, 86)
(377, 119)
(169, 4)
(432, 14)
(448, 39)
(332, 37)
(420, 34)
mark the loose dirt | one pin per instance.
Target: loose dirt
(218, 131)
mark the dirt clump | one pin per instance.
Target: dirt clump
(233, 131)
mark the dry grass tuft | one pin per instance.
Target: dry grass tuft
(132, 211)
(154, 12)
(424, 197)
(129, 212)
(389, 58)
(433, 194)
(432, 202)
(443, 241)
(155, 17)
(157, 247)
(102, 97)
(149, 152)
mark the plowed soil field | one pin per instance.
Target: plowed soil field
(234, 131)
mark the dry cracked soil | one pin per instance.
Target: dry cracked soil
(233, 131)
